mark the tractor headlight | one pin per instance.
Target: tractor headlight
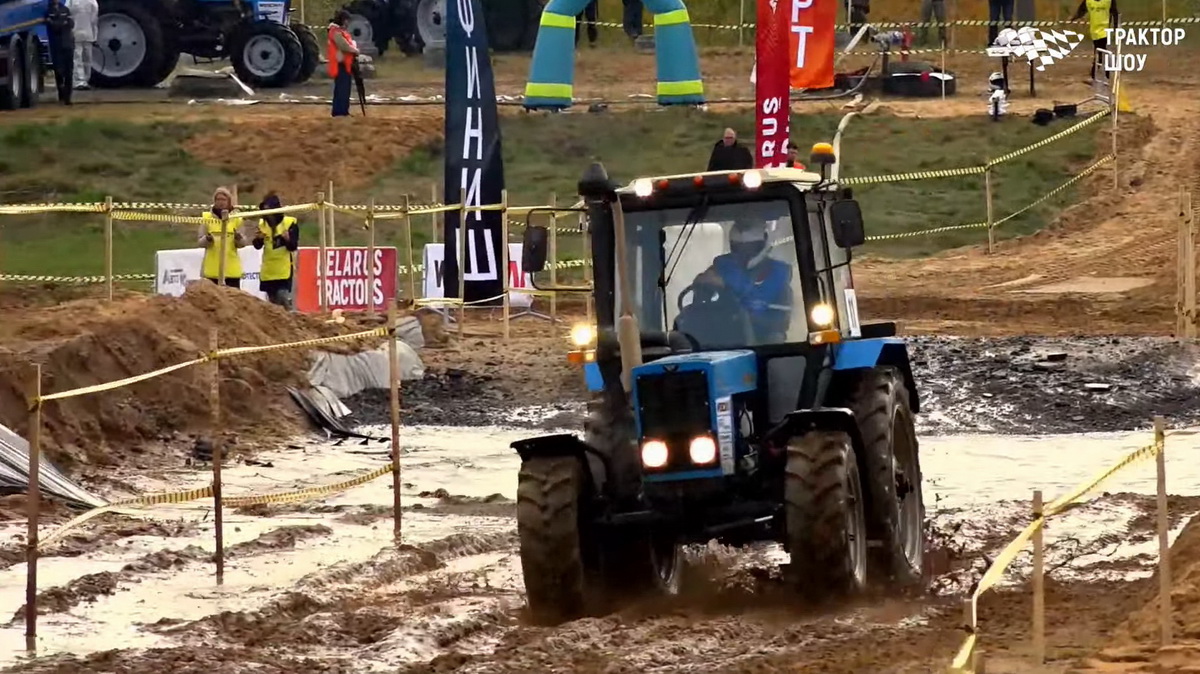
(752, 180)
(643, 187)
(654, 454)
(582, 334)
(702, 450)
(822, 314)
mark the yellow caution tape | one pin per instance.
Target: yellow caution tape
(923, 232)
(1082, 174)
(207, 492)
(915, 175)
(908, 24)
(51, 208)
(996, 571)
(29, 278)
(224, 353)
(135, 216)
(1056, 137)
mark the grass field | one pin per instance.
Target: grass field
(85, 160)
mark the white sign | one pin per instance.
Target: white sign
(725, 434)
(174, 269)
(435, 286)
(852, 312)
(273, 11)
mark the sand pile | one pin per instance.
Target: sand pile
(89, 342)
(1142, 625)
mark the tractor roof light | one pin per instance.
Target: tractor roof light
(752, 180)
(822, 153)
(643, 187)
(822, 315)
(582, 335)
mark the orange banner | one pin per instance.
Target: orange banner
(811, 37)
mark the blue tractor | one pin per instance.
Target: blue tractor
(139, 41)
(24, 52)
(737, 397)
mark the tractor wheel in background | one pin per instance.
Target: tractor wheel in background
(634, 562)
(170, 61)
(533, 18)
(31, 80)
(11, 57)
(131, 46)
(266, 54)
(369, 23)
(557, 553)
(824, 518)
(507, 24)
(893, 476)
(312, 51)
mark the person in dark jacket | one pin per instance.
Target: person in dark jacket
(61, 28)
(729, 155)
(278, 237)
(588, 16)
(633, 18)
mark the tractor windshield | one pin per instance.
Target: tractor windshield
(725, 275)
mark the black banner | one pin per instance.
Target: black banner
(473, 159)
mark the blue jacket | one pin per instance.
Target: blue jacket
(764, 291)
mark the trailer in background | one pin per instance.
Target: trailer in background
(24, 52)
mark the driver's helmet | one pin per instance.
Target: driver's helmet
(748, 242)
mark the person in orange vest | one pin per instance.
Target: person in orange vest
(340, 51)
(793, 160)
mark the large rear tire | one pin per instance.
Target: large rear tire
(31, 80)
(556, 559)
(893, 478)
(13, 63)
(312, 51)
(825, 523)
(267, 54)
(369, 23)
(131, 46)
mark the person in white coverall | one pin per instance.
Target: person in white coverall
(86, 14)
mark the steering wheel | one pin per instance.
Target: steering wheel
(714, 319)
(703, 293)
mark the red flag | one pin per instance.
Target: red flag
(811, 36)
(771, 86)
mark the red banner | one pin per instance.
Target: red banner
(811, 35)
(771, 92)
(345, 279)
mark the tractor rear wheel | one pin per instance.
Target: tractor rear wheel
(13, 63)
(31, 86)
(131, 46)
(825, 522)
(557, 552)
(893, 477)
(267, 54)
(312, 51)
(369, 24)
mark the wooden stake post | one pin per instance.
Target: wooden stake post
(461, 242)
(222, 247)
(34, 503)
(1164, 547)
(554, 257)
(322, 261)
(394, 386)
(214, 399)
(1039, 583)
(408, 242)
(108, 245)
(505, 301)
(1186, 309)
(330, 220)
(371, 258)
(987, 190)
(433, 217)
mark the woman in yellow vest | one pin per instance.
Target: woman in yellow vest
(278, 237)
(211, 230)
(1102, 15)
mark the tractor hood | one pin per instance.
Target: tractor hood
(728, 372)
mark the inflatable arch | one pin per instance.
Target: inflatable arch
(552, 72)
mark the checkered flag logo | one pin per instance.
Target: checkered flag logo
(1047, 47)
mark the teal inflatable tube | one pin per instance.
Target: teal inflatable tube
(552, 72)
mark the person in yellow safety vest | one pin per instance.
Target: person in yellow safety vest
(278, 237)
(223, 204)
(1102, 15)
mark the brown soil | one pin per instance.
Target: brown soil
(83, 343)
(98, 535)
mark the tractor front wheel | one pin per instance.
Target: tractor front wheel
(897, 515)
(132, 46)
(824, 518)
(267, 54)
(557, 551)
(312, 51)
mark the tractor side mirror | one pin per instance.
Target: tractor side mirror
(847, 223)
(534, 249)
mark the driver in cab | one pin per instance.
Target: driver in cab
(760, 283)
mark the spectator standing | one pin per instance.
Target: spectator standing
(793, 160)
(633, 18)
(278, 238)
(340, 51)
(859, 9)
(588, 15)
(86, 14)
(929, 10)
(1102, 15)
(996, 8)
(61, 27)
(729, 155)
(218, 221)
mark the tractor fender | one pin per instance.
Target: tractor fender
(563, 445)
(861, 354)
(819, 419)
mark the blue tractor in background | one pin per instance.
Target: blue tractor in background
(24, 52)
(719, 413)
(139, 42)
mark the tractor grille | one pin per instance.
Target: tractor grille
(674, 407)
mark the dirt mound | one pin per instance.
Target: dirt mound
(85, 343)
(1142, 626)
(313, 151)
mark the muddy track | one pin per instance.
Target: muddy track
(101, 535)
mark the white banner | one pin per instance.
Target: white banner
(174, 269)
(435, 287)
